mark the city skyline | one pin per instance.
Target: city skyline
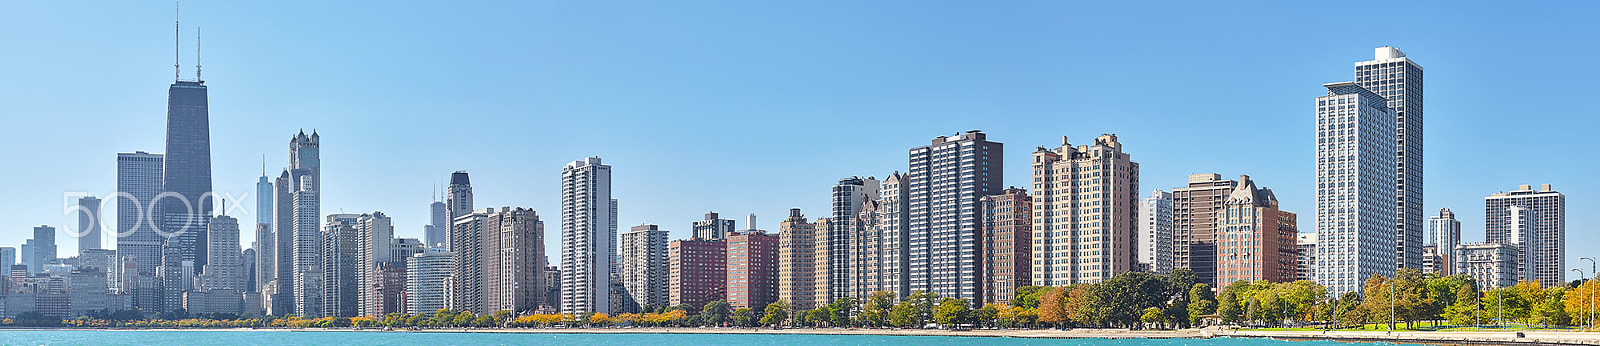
(401, 185)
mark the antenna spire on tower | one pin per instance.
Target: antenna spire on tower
(177, 69)
(197, 55)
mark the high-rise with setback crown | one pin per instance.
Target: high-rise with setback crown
(1398, 80)
(458, 202)
(1084, 202)
(1355, 191)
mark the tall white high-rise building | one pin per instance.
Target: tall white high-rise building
(375, 235)
(1541, 218)
(588, 237)
(1444, 233)
(138, 183)
(1155, 232)
(458, 202)
(1398, 80)
(1084, 201)
(644, 265)
(428, 281)
(1355, 191)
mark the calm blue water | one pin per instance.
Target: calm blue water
(167, 338)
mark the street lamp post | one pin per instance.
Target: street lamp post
(1581, 278)
(1592, 269)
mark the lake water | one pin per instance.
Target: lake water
(201, 337)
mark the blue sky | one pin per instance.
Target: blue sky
(756, 107)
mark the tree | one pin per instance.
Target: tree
(952, 311)
(904, 314)
(1465, 310)
(1151, 316)
(715, 312)
(876, 310)
(840, 311)
(1551, 311)
(775, 314)
(1252, 310)
(988, 315)
(741, 317)
(1579, 300)
(1028, 296)
(816, 317)
(1202, 302)
(1052, 307)
(1228, 307)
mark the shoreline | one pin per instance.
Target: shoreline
(1530, 338)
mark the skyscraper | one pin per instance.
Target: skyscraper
(341, 267)
(516, 276)
(1084, 201)
(89, 224)
(1255, 240)
(849, 195)
(752, 269)
(588, 236)
(427, 281)
(43, 249)
(1155, 232)
(865, 260)
(1194, 225)
(470, 241)
(697, 271)
(8, 258)
(139, 176)
(1546, 234)
(644, 264)
(1355, 195)
(266, 242)
(797, 262)
(436, 233)
(458, 202)
(946, 179)
(1444, 233)
(222, 248)
(894, 238)
(713, 227)
(186, 203)
(304, 185)
(374, 234)
(1398, 80)
(1007, 245)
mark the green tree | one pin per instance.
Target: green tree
(875, 312)
(1201, 302)
(905, 315)
(743, 317)
(841, 310)
(715, 312)
(987, 316)
(1151, 316)
(1552, 311)
(1252, 310)
(952, 312)
(776, 313)
(1028, 296)
(1228, 307)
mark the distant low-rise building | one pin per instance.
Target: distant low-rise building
(1492, 265)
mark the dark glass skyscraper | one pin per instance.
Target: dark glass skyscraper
(185, 202)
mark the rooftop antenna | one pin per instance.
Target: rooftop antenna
(197, 55)
(176, 69)
(263, 165)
